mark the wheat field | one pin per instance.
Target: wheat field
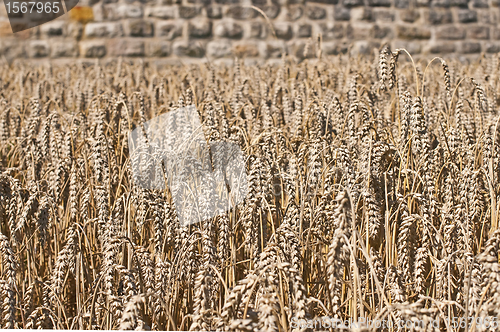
(373, 195)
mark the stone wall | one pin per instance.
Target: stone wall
(214, 29)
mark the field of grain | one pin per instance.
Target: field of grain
(373, 194)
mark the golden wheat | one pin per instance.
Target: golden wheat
(373, 193)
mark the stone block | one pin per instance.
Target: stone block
(12, 49)
(164, 12)
(127, 47)
(168, 29)
(362, 14)
(106, 12)
(38, 48)
(189, 49)
(219, 49)
(357, 32)
(332, 30)
(93, 49)
(241, 13)
(467, 16)
(283, 30)
(129, 11)
(450, 33)
(383, 15)
(413, 32)
(442, 48)
(139, 28)
(188, 12)
(492, 47)
(352, 3)
(379, 32)
(271, 10)
(437, 16)
(409, 15)
(402, 4)
(200, 2)
(245, 49)
(272, 49)
(335, 48)
(294, 12)
(478, 32)
(53, 28)
(480, 4)
(200, 29)
(471, 47)
(98, 12)
(341, 13)
(364, 47)
(495, 33)
(329, 2)
(304, 30)
(488, 16)
(103, 30)
(380, 3)
(214, 12)
(413, 47)
(64, 48)
(459, 3)
(441, 3)
(228, 29)
(315, 12)
(74, 30)
(257, 30)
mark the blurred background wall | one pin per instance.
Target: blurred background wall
(215, 29)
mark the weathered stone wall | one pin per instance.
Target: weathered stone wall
(215, 29)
